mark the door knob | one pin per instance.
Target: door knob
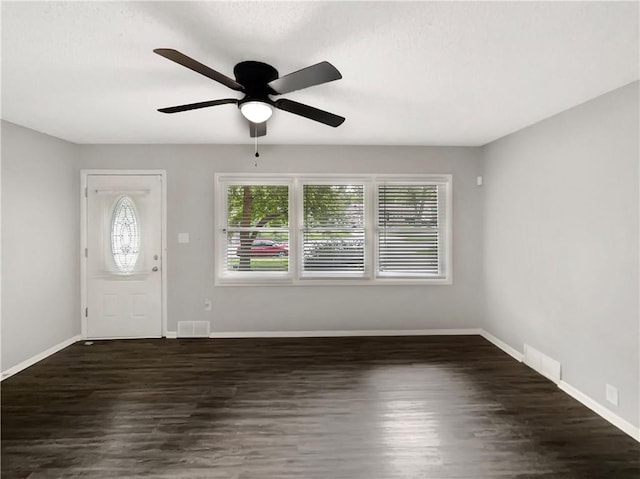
(155, 268)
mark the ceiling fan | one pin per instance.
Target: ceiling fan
(258, 81)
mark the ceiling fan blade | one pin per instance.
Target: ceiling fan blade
(182, 59)
(317, 74)
(309, 112)
(257, 129)
(195, 106)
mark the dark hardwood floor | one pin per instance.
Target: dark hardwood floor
(318, 408)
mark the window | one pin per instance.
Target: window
(333, 231)
(257, 229)
(125, 235)
(311, 229)
(409, 230)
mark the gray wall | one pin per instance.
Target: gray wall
(190, 198)
(40, 243)
(561, 244)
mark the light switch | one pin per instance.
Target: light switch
(183, 237)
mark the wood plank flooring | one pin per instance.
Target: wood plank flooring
(317, 408)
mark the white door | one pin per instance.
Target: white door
(124, 256)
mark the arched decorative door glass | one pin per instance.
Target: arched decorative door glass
(125, 235)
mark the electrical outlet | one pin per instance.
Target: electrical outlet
(207, 305)
(611, 393)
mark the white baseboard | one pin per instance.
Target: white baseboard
(171, 335)
(38, 357)
(502, 345)
(613, 418)
(343, 333)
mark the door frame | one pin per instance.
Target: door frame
(84, 175)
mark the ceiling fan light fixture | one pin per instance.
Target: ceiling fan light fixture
(256, 111)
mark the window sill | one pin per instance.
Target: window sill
(334, 282)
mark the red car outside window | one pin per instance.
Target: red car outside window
(266, 248)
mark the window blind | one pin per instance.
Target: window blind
(333, 234)
(409, 230)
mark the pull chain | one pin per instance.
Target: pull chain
(257, 155)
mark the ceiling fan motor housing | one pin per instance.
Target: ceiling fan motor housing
(254, 77)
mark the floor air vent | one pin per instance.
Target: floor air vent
(542, 363)
(193, 329)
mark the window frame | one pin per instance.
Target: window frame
(224, 276)
(444, 219)
(338, 180)
(295, 275)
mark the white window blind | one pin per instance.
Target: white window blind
(333, 234)
(410, 230)
(257, 239)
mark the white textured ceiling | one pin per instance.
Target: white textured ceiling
(416, 73)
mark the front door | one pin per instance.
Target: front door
(124, 256)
